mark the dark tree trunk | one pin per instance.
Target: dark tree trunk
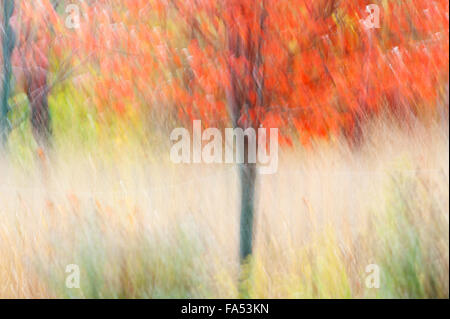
(247, 175)
(37, 94)
(8, 42)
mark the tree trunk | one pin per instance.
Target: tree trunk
(8, 42)
(247, 175)
(37, 94)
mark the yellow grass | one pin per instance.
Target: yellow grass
(139, 226)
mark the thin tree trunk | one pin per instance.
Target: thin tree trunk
(8, 42)
(247, 175)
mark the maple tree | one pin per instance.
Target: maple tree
(310, 68)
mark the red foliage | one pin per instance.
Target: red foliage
(308, 66)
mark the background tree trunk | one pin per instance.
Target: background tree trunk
(37, 93)
(8, 42)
